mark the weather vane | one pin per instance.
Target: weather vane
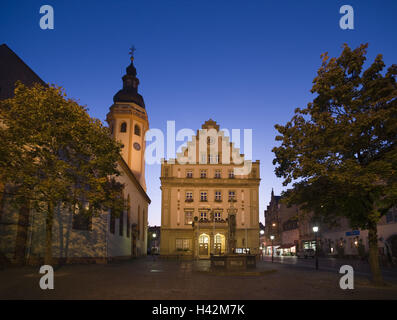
(132, 51)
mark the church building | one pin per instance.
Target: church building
(76, 238)
(206, 184)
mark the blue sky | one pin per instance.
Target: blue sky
(245, 64)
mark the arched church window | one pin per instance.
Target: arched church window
(137, 130)
(123, 127)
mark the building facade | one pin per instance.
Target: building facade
(77, 238)
(209, 180)
(293, 230)
(281, 222)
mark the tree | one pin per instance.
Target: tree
(54, 154)
(340, 152)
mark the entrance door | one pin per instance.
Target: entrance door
(203, 246)
(219, 245)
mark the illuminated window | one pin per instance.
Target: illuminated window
(182, 244)
(189, 196)
(203, 196)
(188, 217)
(218, 216)
(203, 215)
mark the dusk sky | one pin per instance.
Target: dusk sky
(245, 64)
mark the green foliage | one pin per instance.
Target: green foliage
(53, 152)
(340, 152)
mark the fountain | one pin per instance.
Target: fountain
(231, 260)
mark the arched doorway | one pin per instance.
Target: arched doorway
(219, 244)
(204, 246)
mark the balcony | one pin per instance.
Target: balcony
(188, 200)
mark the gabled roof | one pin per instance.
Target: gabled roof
(12, 69)
(128, 171)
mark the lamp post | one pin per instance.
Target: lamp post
(315, 230)
(272, 238)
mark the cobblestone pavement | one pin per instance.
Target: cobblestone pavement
(154, 278)
(333, 264)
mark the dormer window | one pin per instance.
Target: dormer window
(123, 127)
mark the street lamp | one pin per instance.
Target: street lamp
(315, 230)
(262, 232)
(272, 238)
(154, 235)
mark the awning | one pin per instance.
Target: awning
(286, 246)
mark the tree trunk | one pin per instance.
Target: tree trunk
(374, 255)
(22, 233)
(48, 234)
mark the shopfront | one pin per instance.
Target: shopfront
(287, 250)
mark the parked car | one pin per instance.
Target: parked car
(306, 253)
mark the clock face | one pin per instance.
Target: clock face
(137, 146)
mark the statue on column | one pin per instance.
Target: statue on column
(232, 228)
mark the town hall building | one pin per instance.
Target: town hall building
(200, 189)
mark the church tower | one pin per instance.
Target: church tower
(128, 122)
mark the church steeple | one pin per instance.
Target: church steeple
(128, 122)
(129, 93)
